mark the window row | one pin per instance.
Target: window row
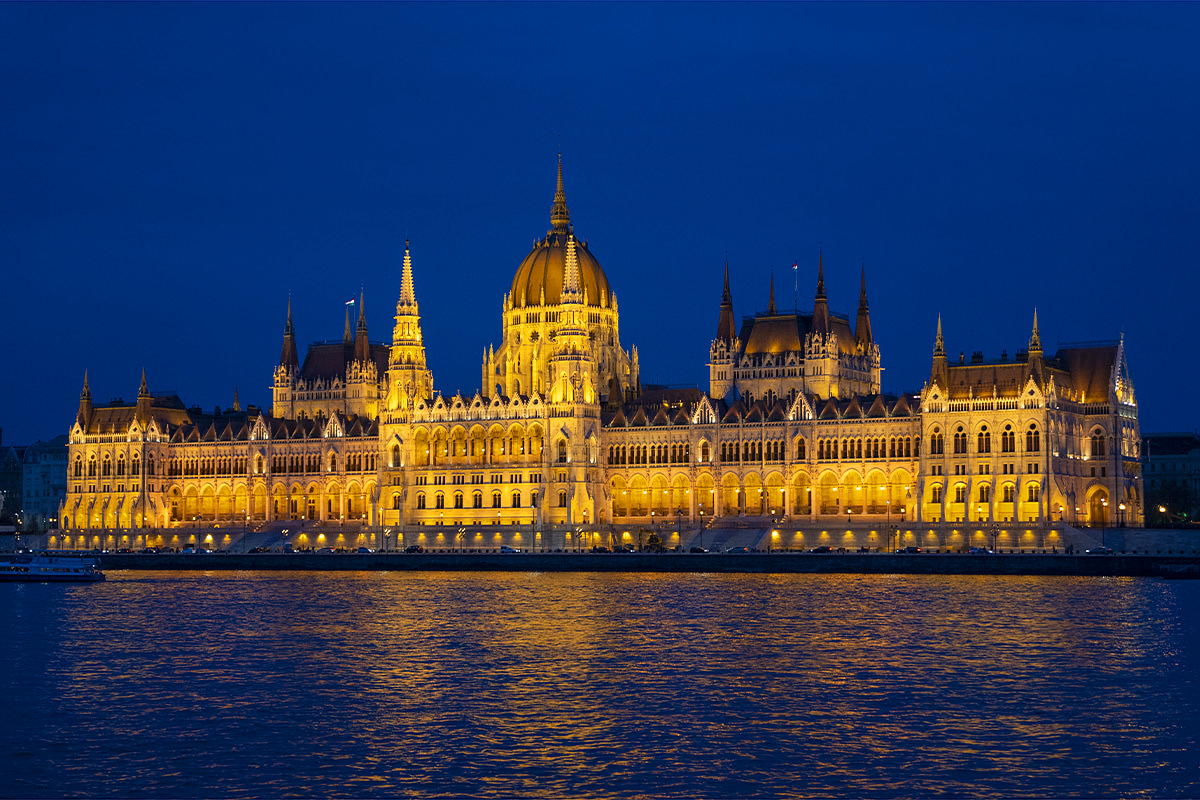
(458, 499)
(875, 447)
(983, 440)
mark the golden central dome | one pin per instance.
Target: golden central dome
(542, 270)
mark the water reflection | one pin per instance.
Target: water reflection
(601, 685)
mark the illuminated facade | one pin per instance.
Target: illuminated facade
(562, 438)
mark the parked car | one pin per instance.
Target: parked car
(822, 549)
(506, 549)
(738, 550)
(911, 549)
(323, 550)
(600, 549)
(1100, 551)
(365, 550)
(414, 548)
(697, 549)
(980, 551)
(624, 548)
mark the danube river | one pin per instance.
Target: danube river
(567, 685)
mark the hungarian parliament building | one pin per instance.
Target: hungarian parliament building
(793, 435)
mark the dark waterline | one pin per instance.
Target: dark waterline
(600, 685)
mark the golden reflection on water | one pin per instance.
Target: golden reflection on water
(607, 685)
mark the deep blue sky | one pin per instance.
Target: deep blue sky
(172, 172)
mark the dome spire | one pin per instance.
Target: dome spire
(725, 322)
(560, 217)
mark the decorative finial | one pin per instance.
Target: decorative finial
(142, 391)
(820, 274)
(1035, 340)
(939, 346)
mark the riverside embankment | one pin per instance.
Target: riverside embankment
(865, 563)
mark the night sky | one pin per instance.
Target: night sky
(171, 173)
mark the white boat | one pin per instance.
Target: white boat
(39, 568)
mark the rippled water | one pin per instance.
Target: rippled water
(600, 685)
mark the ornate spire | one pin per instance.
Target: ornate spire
(725, 322)
(939, 345)
(771, 300)
(362, 348)
(1035, 340)
(87, 392)
(288, 356)
(142, 391)
(84, 417)
(237, 406)
(570, 281)
(820, 319)
(560, 217)
(348, 332)
(408, 295)
(862, 326)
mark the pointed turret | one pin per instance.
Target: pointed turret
(571, 292)
(820, 321)
(939, 373)
(237, 406)
(862, 326)
(560, 217)
(362, 349)
(771, 299)
(84, 417)
(288, 357)
(1037, 361)
(725, 322)
(142, 412)
(408, 295)
(348, 332)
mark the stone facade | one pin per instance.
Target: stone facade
(562, 439)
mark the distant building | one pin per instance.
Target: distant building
(44, 484)
(1172, 476)
(11, 478)
(561, 437)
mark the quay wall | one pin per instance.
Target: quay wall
(861, 563)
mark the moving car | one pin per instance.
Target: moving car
(414, 548)
(980, 551)
(822, 549)
(695, 549)
(1100, 551)
(506, 549)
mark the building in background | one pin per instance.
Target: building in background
(562, 445)
(1172, 470)
(44, 484)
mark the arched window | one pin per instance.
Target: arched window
(1098, 444)
(1008, 440)
(960, 441)
(332, 462)
(1034, 493)
(800, 449)
(458, 500)
(704, 453)
(1033, 439)
(106, 467)
(984, 444)
(935, 494)
(495, 499)
(935, 443)
(1010, 493)
(396, 501)
(439, 500)
(78, 467)
(562, 499)
(421, 501)
(985, 493)
(960, 493)
(562, 452)
(120, 466)
(477, 500)
(516, 499)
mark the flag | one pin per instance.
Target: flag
(350, 302)
(796, 265)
